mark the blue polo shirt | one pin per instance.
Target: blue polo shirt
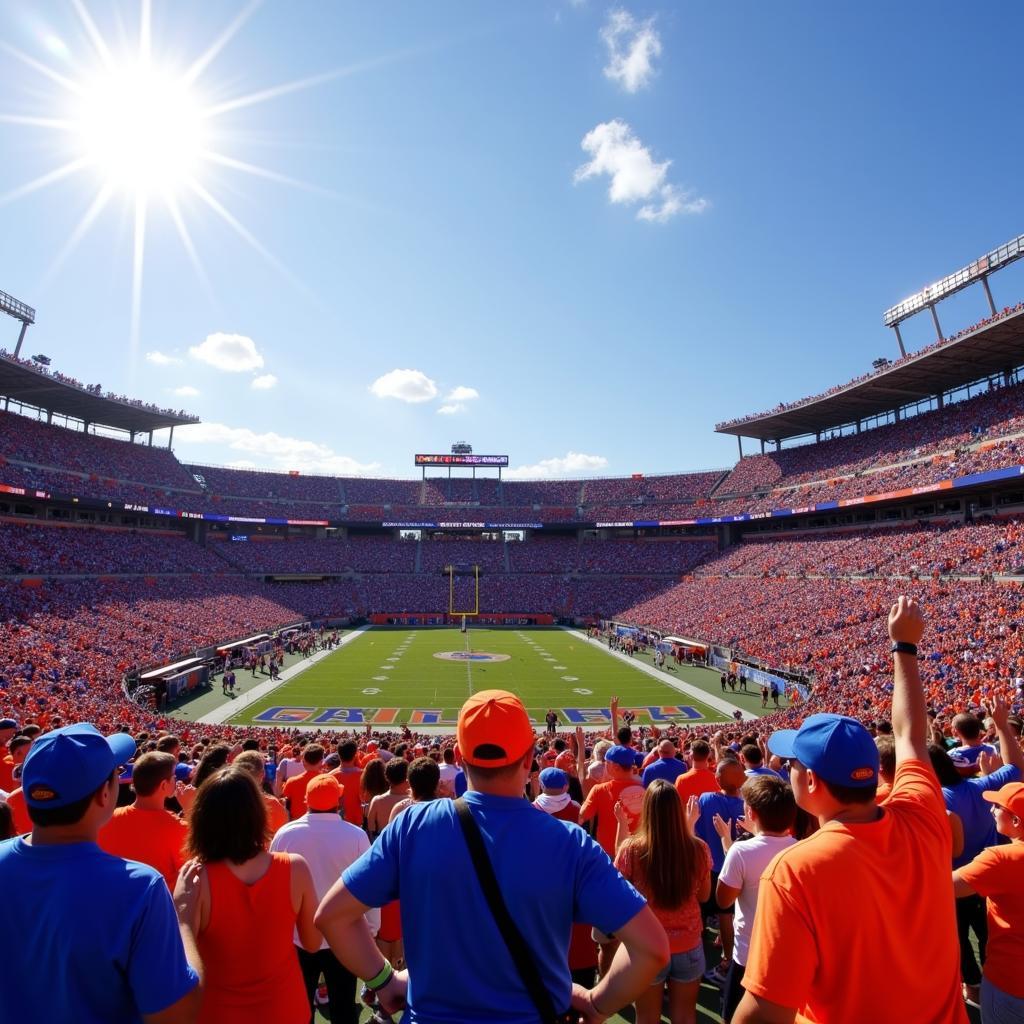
(96, 941)
(728, 807)
(667, 768)
(551, 874)
(975, 811)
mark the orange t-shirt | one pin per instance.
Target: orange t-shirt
(276, 814)
(295, 793)
(812, 936)
(16, 802)
(998, 874)
(351, 802)
(882, 791)
(156, 838)
(600, 802)
(7, 773)
(697, 781)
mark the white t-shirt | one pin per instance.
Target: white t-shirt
(744, 865)
(448, 774)
(329, 844)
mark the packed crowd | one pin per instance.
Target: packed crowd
(56, 550)
(993, 414)
(974, 549)
(251, 483)
(297, 869)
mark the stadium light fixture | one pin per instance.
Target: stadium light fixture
(20, 311)
(963, 278)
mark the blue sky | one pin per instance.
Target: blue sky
(585, 310)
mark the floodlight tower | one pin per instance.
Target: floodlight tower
(26, 314)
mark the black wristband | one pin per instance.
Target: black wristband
(902, 647)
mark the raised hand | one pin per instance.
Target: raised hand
(692, 811)
(906, 623)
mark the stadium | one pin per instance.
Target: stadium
(130, 579)
(132, 582)
(490, 736)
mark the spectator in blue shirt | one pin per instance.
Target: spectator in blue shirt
(550, 873)
(107, 925)
(667, 767)
(964, 797)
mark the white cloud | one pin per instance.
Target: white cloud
(571, 464)
(160, 359)
(635, 176)
(185, 391)
(462, 394)
(451, 409)
(632, 48)
(405, 385)
(234, 353)
(264, 383)
(271, 451)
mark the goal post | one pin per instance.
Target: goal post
(464, 612)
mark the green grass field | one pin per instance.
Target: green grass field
(390, 676)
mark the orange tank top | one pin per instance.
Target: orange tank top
(252, 967)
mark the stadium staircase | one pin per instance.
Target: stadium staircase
(419, 557)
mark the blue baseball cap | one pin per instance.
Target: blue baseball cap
(553, 778)
(182, 771)
(837, 748)
(70, 763)
(8, 723)
(624, 757)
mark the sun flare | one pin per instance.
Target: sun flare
(141, 129)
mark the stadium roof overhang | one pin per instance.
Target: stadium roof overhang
(981, 353)
(22, 383)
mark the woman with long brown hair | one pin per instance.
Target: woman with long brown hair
(242, 904)
(672, 868)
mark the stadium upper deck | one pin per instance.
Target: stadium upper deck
(992, 347)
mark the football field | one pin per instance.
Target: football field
(387, 677)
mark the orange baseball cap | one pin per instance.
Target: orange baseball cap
(1010, 797)
(494, 729)
(323, 793)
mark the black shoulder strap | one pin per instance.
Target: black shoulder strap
(517, 947)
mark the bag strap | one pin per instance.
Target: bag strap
(517, 947)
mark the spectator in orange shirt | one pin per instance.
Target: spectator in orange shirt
(997, 873)
(294, 791)
(600, 801)
(8, 727)
(255, 764)
(701, 777)
(835, 945)
(10, 766)
(144, 831)
(348, 775)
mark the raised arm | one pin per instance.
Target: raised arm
(1009, 745)
(909, 716)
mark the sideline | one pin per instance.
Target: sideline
(230, 708)
(689, 689)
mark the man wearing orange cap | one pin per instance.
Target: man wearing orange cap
(998, 874)
(422, 858)
(329, 844)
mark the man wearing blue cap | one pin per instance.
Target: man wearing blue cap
(106, 925)
(856, 923)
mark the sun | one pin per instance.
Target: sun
(135, 123)
(141, 129)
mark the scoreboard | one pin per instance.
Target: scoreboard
(462, 460)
